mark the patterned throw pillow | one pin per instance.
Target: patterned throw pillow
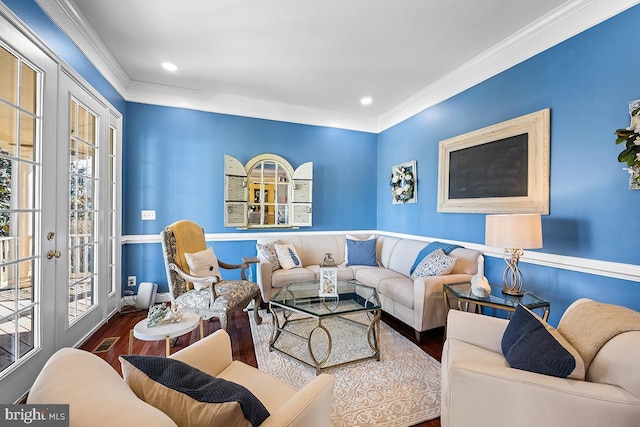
(268, 252)
(434, 264)
(287, 256)
(446, 248)
(189, 396)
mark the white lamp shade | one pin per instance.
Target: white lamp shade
(518, 231)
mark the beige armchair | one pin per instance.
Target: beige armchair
(480, 389)
(206, 294)
(309, 406)
(98, 396)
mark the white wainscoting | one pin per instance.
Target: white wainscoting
(616, 270)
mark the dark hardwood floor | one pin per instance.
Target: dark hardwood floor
(241, 341)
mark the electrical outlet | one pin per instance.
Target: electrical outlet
(131, 281)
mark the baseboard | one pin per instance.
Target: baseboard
(163, 297)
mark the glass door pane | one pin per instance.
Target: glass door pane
(111, 213)
(109, 268)
(82, 210)
(19, 210)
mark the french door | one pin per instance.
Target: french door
(59, 235)
(82, 135)
(27, 207)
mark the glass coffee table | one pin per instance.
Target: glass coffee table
(498, 300)
(325, 332)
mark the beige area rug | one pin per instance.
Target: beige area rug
(402, 389)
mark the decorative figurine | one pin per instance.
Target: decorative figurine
(479, 284)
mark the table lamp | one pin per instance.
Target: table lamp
(514, 233)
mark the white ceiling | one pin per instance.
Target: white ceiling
(311, 61)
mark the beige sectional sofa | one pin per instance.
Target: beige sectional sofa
(417, 302)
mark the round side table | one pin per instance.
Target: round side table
(166, 331)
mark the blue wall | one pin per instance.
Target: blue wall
(174, 164)
(587, 82)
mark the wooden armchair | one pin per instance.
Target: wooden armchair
(203, 291)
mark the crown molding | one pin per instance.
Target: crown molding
(566, 21)
(562, 23)
(75, 25)
(169, 96)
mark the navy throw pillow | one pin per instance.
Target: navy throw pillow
(362, 252)
(189, 396)
(530, 344)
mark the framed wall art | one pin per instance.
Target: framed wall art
(403, 182)
(503, 168)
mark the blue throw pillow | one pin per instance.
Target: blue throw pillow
(446, 248)
(362, 252)
(530, 344)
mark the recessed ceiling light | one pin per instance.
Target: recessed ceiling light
(169, 66)
(366, 100)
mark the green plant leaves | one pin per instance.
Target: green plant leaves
(628, 156)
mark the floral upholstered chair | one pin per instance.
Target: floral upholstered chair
(193, 273)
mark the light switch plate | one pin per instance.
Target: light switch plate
(148, 215)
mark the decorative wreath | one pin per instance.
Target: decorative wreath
(402, 182)
(631, 153)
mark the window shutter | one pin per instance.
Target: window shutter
(235, 193)
(302, 192)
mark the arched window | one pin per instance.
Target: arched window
(267, 193)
